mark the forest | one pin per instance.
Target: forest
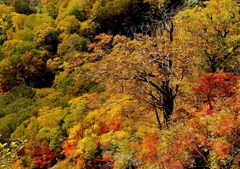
(119, 84)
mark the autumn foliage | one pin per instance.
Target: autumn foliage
(42, 157)
(119, 84)
(217, 85)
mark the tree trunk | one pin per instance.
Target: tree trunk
(168, 100)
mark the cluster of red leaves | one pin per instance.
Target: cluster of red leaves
(22, 152)
(107, 158)
(151, 143)
(113, 126)
(42, 157)
(67, 148)
(215, 85)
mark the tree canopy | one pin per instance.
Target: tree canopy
(100, 84)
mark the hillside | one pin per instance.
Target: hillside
(119, 84)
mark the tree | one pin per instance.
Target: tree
(70, 43)
(99, 139)
(214, 86)
(8, 75)
(18, 21)
(50, 7)
(38, 21)
(7, 127)
(26, 65)
(22, 7)
(5, 22)
(214, 33)
(144, 67)
(42, 157)
(69, 25)
(47, 37)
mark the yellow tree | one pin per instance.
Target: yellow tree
(213, 30)
(5, 21)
